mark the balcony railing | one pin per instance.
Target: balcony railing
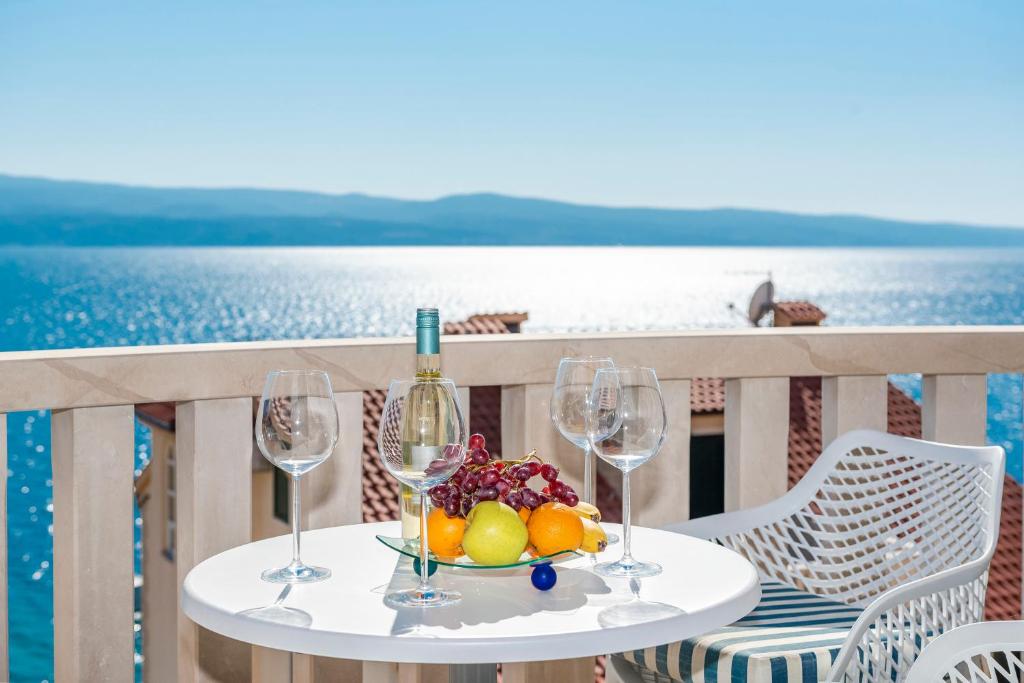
(92, 392)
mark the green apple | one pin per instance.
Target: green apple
(495, 534)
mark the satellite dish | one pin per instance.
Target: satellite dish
(761, 302)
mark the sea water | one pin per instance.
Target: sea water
(64, 298)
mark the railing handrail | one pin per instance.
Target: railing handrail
(76, 378)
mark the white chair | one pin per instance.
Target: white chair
(989, 652)
(883, 545)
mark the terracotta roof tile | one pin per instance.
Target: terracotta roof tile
(800, 312)
(476, 326)
(1003, 600)
(805, 422)
(508, 318)
(707, 395)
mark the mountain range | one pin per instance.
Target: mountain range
(38, 212)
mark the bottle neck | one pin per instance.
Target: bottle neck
(428, 366)
(428, 353)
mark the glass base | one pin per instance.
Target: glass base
(633, 569)
(417, 597)
(296, 574)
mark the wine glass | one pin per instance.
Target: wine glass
(296, 430)
(569, 409)
(422, 441)
(626, 426)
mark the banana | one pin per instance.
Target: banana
(587, 511)
(594, 538)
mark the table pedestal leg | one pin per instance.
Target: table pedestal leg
(472, 673)
(562, 670)
(391, 672)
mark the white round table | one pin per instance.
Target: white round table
(502, 617)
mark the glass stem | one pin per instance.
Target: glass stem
(627, 558)
(296, 521)
(424, 546)
(588, 474)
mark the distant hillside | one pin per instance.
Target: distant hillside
(36, 211)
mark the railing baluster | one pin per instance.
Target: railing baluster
(526, 425)
(661, 488)
(853, 402)
(954, 409)
(92, 456)
(4, 663)
(756, 440)
(214, 497)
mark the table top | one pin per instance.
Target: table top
(502, 617)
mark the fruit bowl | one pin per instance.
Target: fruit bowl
(411, 548)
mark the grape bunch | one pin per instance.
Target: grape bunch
(482, 478)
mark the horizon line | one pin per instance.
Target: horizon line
(496, 193)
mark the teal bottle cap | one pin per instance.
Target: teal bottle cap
(428, 340)
(427, 317)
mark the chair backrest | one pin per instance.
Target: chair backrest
(988, 652)
(875, 511)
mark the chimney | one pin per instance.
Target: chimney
(797, 314)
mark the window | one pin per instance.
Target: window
(707, 475)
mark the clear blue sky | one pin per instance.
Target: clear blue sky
(904, 109)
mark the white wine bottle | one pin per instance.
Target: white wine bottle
(423, 436)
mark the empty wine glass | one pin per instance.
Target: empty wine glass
(296, 430)
(626, 425)
(422, 441)
(569, 398)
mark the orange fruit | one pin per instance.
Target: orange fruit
(444, 533)
(555, 527)
(524, 514)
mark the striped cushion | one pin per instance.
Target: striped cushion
(790, 636)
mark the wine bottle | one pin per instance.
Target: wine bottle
(423, 437)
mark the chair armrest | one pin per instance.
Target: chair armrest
(891, 632)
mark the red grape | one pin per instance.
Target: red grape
(479, 456)
(487, 493)
(548, 472)
(522, 473)
(557, 489)
(452, 507)
(470, 482)
(531, 498)
(514, 500)
(489, 477)
(534, 468)
(571, 499)
(503, 487)
(477, 441)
